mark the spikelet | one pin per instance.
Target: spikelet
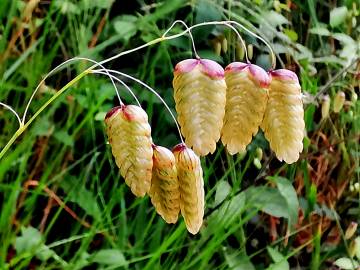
(339, 101)
(246, 100)
(191, 184)
(283, 122)
(164, 191)
(200, 95)
(129, 135)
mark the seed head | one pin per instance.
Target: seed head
(351, 229)
(200, 94)
(283, 122)
(129, 135)
(164, 191)
(246, 99)
(192, 198)
(325, 107)
(339, 101)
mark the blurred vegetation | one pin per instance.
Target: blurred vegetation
(63, 204)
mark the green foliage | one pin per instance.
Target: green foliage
(110, 257)
(280, 262)
(288, 192)
(338, 16)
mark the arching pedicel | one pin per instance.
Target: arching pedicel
(129, 135)
(283, 123)
(246, 99)
(200, 96)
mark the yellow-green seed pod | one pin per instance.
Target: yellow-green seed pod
(217, 46)
(200, 95)
(164, 191)
(240, 52)
(259, 153)
(283, 123)
(129, 135)
(354, 97)
(339, 101)
(352, 249)
(250, 51)
(192, 196)
(246, 100)
(325, 107)
(351, 229)
(224, 45)
(257, 163)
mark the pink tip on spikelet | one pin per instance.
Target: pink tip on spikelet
(258, 73)
(179, 147)
(284, 74)
(208, 67)
(113, 111)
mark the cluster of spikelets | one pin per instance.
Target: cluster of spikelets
(173, 179)
(232, 104)
(211, 103)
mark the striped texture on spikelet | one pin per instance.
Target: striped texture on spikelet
(246, 99)
(129, 135)
(200, 95)
(283, 123)
(191, 184)
(164, 191)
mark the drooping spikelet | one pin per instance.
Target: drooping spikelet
(200, 95)
(129, 135)
(246, 99)
(191, 184)
(283, 122)
(164, 191)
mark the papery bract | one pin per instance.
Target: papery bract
(192, 196)
(200, 95)
(246, 100)
(129, 135)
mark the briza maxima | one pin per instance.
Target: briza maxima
(192, 197)
(200, 96)
(129, 135)
(246, 99)
(164, 191)
(283, 123)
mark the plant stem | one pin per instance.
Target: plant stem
(23, 125)
(43, 107)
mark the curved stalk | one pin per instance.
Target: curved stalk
(102, 72)
(13, 111)
(24, 126)
(151, 90)
(43, 107)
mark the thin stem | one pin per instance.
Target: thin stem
(273, 56)
(190, 34)
(163, 38)
(43, 107)
(13, 111)
(155, 93)
(57, 68)
(243, 44)
(120, 81)
(155, 41)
